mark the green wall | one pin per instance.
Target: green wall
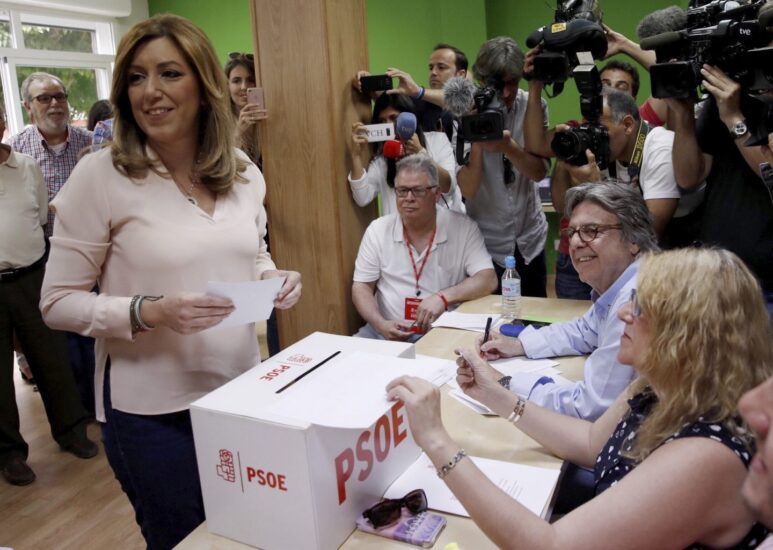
(226, 22)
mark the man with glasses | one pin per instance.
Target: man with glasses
(609, 228)
(498, 180)
(413, 264)
(55, 145)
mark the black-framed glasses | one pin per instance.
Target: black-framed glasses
(588, 232)
(239, 55)
(388, 511)
(509, 173)
(418, 192)
(45, 99)
(635, 307)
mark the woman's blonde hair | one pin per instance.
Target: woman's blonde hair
(711, 341)
(217, 165)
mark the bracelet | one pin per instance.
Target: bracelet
(421, 93)
(520, 406)
(138, 325)
(445, 302)
(445, 468)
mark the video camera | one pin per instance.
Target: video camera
(725, 33)
(570, 145)
(486, 124)
(577, 28)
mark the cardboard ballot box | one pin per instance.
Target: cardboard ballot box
(278, 483)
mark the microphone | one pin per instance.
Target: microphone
(661, 40)
(662, 21)
(405, 126)
(393, 149)
(458, 94)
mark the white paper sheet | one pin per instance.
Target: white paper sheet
(467, 321)
(446, 367)
(531, 486)
(254, 300)
(350, 391)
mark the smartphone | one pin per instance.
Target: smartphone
(380, 132)
(376, 82)
(255, 97)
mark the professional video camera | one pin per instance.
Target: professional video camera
(486, 124)
(570, 145)
(729, 34)
(577, 28)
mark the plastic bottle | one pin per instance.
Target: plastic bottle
(511, 291)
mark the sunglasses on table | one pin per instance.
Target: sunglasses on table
(389, 511)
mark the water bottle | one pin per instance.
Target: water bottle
(511, 291)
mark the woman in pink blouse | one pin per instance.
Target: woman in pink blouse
(168, 207)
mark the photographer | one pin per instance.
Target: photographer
(498, 179)
(738, 207)
(647, 166)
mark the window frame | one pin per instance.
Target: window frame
(18, 55)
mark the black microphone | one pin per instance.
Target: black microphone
(534, 39)
(662, 21)
(458, 94)
(660, 40)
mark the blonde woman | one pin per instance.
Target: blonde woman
(168, 207)
(670, 455)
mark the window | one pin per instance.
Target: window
(78, 51)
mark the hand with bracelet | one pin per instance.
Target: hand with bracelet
(185, 312)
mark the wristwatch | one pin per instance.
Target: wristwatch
(739, 129)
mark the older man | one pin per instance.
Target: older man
(55, 144)
(412, 265)
(23, 208)
(51, 140)
(609, 227)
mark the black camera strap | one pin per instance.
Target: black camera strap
(637, 157)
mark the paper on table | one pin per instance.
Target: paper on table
(514, 365)
(350, 391)
(446, 366)
(531, 486)
(254, 300)
(467, 321)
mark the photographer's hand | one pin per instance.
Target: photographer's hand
(407, 85)
(413, 146)
(619, 43)
(357, 142)
(587, 172)
(500, 146)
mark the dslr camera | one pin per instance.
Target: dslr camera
(576, 28)
(729, 34)
(570, 145)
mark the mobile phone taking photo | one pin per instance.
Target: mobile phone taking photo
(255, 97)
(380, 132)
(376, 83)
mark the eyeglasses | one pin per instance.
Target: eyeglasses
(635, 307)
(418, 192)
(45, 99)
(388, 511)
(239, 55)
(588, 232)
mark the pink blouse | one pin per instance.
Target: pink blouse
(144, 237)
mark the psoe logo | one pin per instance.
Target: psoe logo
(226, 468)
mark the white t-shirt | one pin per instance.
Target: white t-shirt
(457, 252)
(374, 181)
(656, 177)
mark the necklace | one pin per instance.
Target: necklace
(189, 193)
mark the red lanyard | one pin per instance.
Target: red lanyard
(417, 272)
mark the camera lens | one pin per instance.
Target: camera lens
(570, 146)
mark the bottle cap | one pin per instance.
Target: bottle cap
(509, 262)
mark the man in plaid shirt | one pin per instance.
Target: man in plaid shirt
(56, 145)
(51, 140)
